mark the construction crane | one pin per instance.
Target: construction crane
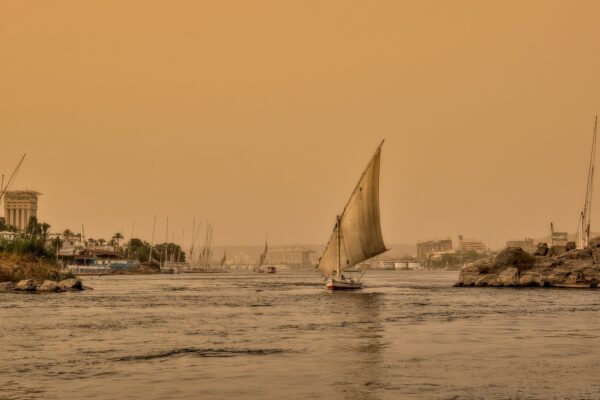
(4, 188)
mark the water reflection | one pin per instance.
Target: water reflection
(357, 360)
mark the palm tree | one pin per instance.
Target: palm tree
(57, 243)
(101, 242)
(45, 227)
(67, 233)
(117, 236)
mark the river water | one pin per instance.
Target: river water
(408, 335)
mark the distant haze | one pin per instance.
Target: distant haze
(261, 115)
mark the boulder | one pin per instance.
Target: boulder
(483, 265)
(596, 256)
(530, 278)
(557, 250)
(7, 286)
(541, 249)
(509, 277)
(514, 257)
(594, 242)
(486, 280)
(591, 274)
(468, 275)
(26, 285)
(49, 286)
(70, 284)
(561, 276)
(577, 254)
(545, 262)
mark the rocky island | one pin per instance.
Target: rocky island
(555, 266)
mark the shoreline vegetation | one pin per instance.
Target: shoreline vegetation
(31, 273)
(28, 265)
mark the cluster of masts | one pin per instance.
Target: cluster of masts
(585, 218)
(202, 259)
(584, 222)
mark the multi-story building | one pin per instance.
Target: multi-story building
(428, 248)
(298, 257)
(238, 258)
(19, 207)
(475, 245)
(559, 238)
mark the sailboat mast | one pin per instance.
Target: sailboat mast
(339, 248)
(152, 240)
(587, 207)
(166, 242)
(191, 255)
(589, 216)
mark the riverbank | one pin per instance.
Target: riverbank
(14, 268)
(28, 273)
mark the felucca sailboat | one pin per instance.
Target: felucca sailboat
(261, 261)
(356, 236)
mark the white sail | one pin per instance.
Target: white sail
(359, 225)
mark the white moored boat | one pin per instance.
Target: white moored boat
(356, 236)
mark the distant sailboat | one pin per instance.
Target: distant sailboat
(261, 262)
(357, 235)
(223, 260)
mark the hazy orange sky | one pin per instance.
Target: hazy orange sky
(261, 115)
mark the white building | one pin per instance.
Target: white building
(19, 207)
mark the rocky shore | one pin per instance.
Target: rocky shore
(27, 274)
(557, 266)
(29, 286)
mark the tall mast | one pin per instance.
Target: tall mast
(586, 215)
(166, 241)
(191, 255)
(339, 250)
(152, 240)
(588, 231)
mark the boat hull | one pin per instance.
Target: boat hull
(342, 284)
